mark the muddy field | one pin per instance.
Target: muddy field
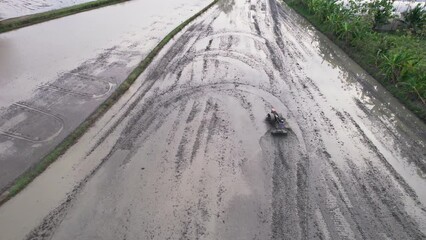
(187, 154)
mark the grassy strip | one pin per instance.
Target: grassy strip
(31, 174)
(365, 54)
(24, 21)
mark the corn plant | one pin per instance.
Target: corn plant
(398, 65)
(334, 21)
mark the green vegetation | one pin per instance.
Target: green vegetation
(381, 11)
(396, 56)
(31, 174)
(415, 18)
(19, 22)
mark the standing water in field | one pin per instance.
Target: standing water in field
(18, 8)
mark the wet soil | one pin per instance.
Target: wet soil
(191, 156)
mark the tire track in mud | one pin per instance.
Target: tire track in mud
(351, 215)
(290, 186)
(399, 219)
(359, 222)
(413, 150)
(181, 158)
(275, 49)
(276, 13)
(226, 39)
(46, 229)
(194, 225)
(337, 189)
(376, 192)
(49, 224)
(348, 199)
(382, 159)
(145, 122)
(153, 75)
(171, 60)
(202, 128)
(301, 176)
